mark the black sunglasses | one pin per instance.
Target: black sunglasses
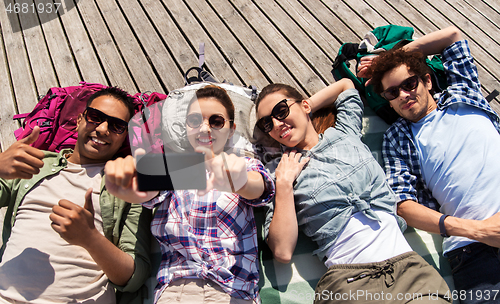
(96, 117)
(280, 111)
(409, 84)
(216, 121)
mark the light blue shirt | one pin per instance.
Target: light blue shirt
(342, 177)
(458, 151)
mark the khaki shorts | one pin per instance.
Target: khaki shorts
(197, 291)
(406, 278)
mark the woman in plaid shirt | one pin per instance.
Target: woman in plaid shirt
(208, 238)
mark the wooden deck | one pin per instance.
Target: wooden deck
(146, 45)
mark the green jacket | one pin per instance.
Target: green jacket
(125, 225)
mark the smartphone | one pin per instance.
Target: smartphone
(171, 171)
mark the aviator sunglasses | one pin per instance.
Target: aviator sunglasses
(96, 117)
(409, 84)
(280, 111)
(216, 121)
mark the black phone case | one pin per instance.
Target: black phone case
(171, 171)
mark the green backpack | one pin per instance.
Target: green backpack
(380, 39)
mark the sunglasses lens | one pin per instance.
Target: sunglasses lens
(194, 120)
(391, 93)
(117, 126)
(265, 124)
(281, 110)
(94, 117)
(216, 122)
(410, 83)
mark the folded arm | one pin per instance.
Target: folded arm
(328, 95)
(435, 42)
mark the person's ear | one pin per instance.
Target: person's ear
(427, 81)
(79, 120)
(306, 106)
(232, 130)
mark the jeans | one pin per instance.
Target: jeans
(476, 273)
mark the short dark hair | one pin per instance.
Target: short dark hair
(213, 91)
(287, 90)
(386, 61)
(116, 93)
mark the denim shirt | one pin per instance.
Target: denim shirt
(342, 177)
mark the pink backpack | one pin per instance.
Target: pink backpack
(144, 129)
(56, 114)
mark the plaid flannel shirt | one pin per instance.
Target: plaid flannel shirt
(210, 237)
(402, 166)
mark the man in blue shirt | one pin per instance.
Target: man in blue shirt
(441, 156)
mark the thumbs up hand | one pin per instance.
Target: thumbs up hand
(75, 224)
(21, 160)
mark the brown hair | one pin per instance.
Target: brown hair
(324, 118)
(386, 61)
(213, 91)
(287, 90)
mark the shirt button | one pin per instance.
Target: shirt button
(350, 194)
(338, 174)
(53, 170)
(26, 186)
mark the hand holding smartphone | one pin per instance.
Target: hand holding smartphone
(171, 171)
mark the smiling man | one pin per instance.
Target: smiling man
(69, 240)
(441, 156)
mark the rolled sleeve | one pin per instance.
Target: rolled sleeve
(269, 188)
(349, 112)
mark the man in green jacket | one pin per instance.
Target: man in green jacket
(65, 238)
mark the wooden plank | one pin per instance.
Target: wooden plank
(317, 60)
(486, 11)
(489, 29)
(467, 26)
(339, 19)
(182, 51)
(7, 106)
(60, 54)
(133, 56)
(229, 45)
(109, 56)
(40, 61)
(389, 14)
(324, 39)
(87, 62)
(23, 84)
(266, 61)
(493, 4)
(418, 21)
(308, 80)
(197, 30)
(162, 63)
(488, 79)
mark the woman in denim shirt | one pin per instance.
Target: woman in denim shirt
(331, 186)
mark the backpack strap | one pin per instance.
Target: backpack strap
(201, 55)
(202, 74)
